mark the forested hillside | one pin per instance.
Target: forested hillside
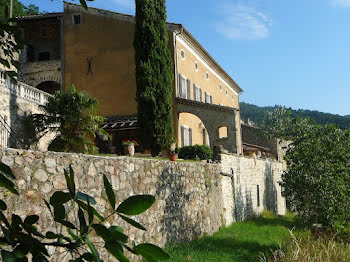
(257, 114)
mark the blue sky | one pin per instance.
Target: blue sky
(293, 52)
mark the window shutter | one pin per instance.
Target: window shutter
(179, 86)
(182, 136)
(200, 95)
(190, 136)
(194, 92)
(188, 89)
(211, 99)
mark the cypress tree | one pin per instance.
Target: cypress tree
(154, 77)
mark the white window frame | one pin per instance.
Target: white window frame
(81, 19)
(182, 51)
(197, 95)
(184, 87)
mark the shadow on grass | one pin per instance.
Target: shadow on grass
(241, 242)
(288, 222)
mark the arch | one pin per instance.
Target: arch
(49, 87)
(191, 125)
(213, 117)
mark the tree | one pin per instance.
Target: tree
(19, 9)
(73, 115)
(154, 77)
(20, 237)
(317, 180)
(11, 40)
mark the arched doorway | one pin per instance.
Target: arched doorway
(49, 87)
(191, 131)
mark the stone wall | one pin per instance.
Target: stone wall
(192, 198)
(246, 175)
(189, 195)
(13, 110)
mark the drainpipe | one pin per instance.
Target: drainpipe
(11, 8)
(177, 76)
(176, 68)
(62, 52)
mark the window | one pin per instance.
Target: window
(197, 93)
(182, 54)
(208, 98)
(258, 195)
(184, 89)
(76, 19)
(232, 96)
(44, 56)
(220, 87)
(226, 92)
(196, 66)
(186, 136)
(207, 75)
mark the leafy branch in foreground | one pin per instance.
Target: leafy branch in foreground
(80, 238)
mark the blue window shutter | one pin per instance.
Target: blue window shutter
(179, 86)
(188, 89)
(194, 93)
(190, 136)
(182, 136)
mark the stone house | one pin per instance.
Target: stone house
(93, 49)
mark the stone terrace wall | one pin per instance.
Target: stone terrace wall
(247, 174)
(189, 195)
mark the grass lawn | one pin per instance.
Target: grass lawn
(264, 238)
(240, 242)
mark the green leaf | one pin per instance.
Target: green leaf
(132, 222)
(51, 235)
(59, 212)
(116, 250)
(136, 205)
(87, 208)
(59, 198)
(8, 184)
(74, 236)
(92, 249)
(109, 192)
(83, 3)
(117, 235)
(102, 231)
(30, 220)
(67, 224)
(8, 256)
(85, 197)
(151, 252)
(88, 257)
(82, 222)
(21, 251)
(3, 205)
(6, 170)
(70, 180)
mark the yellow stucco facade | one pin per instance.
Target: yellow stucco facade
(99, 59)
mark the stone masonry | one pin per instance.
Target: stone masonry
(192, 199)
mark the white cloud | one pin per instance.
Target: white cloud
(341, 3)
(243, 22)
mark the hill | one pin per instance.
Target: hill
(257, 114)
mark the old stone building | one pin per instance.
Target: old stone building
(93, 49)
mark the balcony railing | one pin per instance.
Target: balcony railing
(23, 90)
(5, 133)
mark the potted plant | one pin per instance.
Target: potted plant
(173, 150)
(129, 147)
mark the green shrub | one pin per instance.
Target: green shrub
(197, 151)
